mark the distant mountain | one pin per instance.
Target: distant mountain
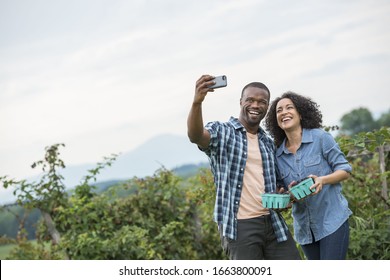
(188, 170)
(167, 150)
(183, 171)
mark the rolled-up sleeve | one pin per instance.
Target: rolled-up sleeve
(334, 155)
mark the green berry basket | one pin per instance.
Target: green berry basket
(273, 200)
(303, 188)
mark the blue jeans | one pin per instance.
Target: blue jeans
(331, 247)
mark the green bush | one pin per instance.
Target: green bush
(167, 217)
(370, 222)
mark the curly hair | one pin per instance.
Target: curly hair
(311, 116)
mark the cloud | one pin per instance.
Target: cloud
(106, 76)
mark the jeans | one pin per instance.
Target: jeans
(256, 240)
(331, 247)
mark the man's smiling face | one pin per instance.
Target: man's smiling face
(254, 105)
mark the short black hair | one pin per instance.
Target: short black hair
(257, 85)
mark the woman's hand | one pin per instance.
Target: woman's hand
(318, 183)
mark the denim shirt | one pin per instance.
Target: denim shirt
(323, 213)
(227, 154)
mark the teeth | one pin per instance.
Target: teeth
(286, 119)
(254, 113)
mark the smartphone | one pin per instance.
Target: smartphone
(220, 81)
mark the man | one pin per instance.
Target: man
(243, 164)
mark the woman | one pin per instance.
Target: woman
(305, 150)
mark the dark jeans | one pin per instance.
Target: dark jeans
(256, 240)
(331, 247)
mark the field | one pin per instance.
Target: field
(4, 250)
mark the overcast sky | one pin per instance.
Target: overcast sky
(105, 76)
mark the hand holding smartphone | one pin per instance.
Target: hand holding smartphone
(219, 81)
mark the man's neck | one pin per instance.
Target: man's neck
(249, 128)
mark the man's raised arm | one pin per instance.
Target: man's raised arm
(195, 127)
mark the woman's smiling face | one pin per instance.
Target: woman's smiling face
(287, 114)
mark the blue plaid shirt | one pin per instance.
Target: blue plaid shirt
(227, 154)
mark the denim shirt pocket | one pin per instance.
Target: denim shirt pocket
(286, 177)
(312, 164)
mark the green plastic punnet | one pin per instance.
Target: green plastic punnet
(273, 200)
(303, 188)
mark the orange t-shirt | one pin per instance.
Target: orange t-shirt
(251, 205)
